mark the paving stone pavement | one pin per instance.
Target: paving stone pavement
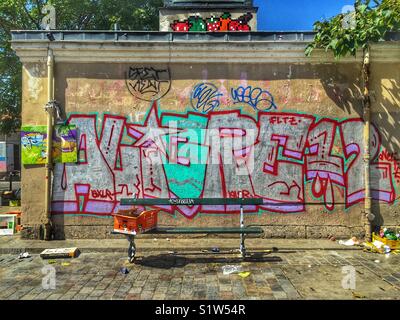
(285, 274)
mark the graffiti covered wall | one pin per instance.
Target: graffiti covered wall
(289, 150)
(217, 138)
(290, 134)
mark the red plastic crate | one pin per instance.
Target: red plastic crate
(145, 221)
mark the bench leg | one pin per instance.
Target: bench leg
(242, 245)
(242, 235)
(131, 249)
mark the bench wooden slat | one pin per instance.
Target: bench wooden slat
(192, 201)
(247, 230)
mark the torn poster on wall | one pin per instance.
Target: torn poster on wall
(34, 144)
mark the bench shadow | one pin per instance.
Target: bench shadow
(168, 261)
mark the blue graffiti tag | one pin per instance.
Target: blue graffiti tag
(205, 97)
(257, 98)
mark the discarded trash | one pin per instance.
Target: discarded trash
(24, 255)
(167, 239)
(358, 295)
(127, 263)
(386, 249)
(331, 237)
(377, 261)
(375, 247)
(171, 252)
(244, 274)
(155, 239)
(378, 244)
(124, 270)
(368, 245)
(351, 242)
(388, 234)
(215, 249)
(59, 253)
(231, 269)
(52, 261)
(387, 237)
(65, 264)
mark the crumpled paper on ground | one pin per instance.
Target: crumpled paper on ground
(351, 242)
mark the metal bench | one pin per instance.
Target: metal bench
(242, 229)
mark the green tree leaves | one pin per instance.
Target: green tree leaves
(372, 20)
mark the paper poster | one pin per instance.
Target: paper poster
(34, 144)
(64, 144)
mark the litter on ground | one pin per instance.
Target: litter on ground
(24, 255)
(244, 274)
(229, 269)
(351, 242)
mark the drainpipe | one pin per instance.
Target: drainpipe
(49, 108)
(368, 216)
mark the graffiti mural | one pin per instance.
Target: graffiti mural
(147, 83)
(213, 24)
(288, 159)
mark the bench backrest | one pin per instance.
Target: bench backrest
(191, 201)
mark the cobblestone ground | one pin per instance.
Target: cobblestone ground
(314, 274)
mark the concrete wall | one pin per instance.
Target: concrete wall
(34, 98)
(301, 124)
(385, 80)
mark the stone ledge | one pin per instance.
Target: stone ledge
(14, 245)
(270, 232)
(323, 232)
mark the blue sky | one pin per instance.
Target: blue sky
(293, 15)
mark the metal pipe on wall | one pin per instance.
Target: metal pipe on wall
(49, 161)
(368, 216)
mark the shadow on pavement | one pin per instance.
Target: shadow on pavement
(167, 261)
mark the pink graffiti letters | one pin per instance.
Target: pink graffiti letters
(287, 159)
